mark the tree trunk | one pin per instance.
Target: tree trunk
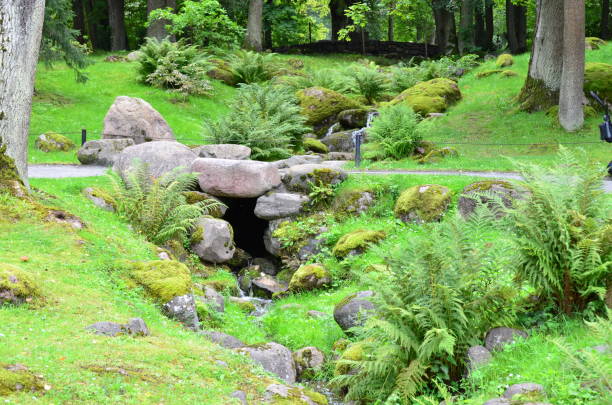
(338, 19)
(489, 24)
(390, 28)
(254, 36)
(480, 33)
(79, 19)
(116, 11)
(541, 88)
(444, 20)
(605, 20)
(21, 24)
(516, 27)
(466, 26)
(571, 113)
(157, 29)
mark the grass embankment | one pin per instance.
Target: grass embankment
(82, 285)
(488, 115)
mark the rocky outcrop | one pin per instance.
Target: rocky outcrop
(223, 151)
(102, 152)
(353, 310)
(274, 205)
(213, 240)
(274, 358)
(235, 178)
(298, 160)
(161, 157)
(134, 118)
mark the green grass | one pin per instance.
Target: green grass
(65, 106)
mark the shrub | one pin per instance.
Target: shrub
(561, 231)
(203, 23)
(157, 208)
(402, 78)
(252, 67)
(441, 293)
(174, 66)
(267, 119)
(396, 130)
(330, 79)
(368, 82)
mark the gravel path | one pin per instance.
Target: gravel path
(64, 171)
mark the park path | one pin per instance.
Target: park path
(66, 171)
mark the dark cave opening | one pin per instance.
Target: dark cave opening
(248, 229)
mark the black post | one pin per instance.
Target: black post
(357, 149)
(83, 136)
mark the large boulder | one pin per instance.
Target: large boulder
(213, 240)
(161, 157)
(353, 310)
(531, 389)
(497, 338)
(195, 197)
(433, 96)
(299, 178)
(224, 151)
(426, 203)
(477, 356)
(102, 152)
(134, 118)
(274, 358)
(339, 141)
(353, 201)
(17, 286)
(321, 106)
(183, 309)
(275, 205)
(212, 298)
(298, 160)
(310, 277)
(52, 142)
(473, 193)
(235, 178)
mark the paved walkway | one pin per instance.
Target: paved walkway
(64, 171)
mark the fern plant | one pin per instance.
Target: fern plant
(443, 291)
(253, 67)
(330, 79)
(396, 131)
(368, 82)
(157, 208)
(561, 231)
(265, 118)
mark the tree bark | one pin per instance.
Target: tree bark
(390, 28)
(516, 27)
(605, 32)
(480, 33)
(489, 24)
(466, 26)
(21, 24)
(157, 29)
(541, 88)
(571, 112)
(254, 36)
(116, 13)
(444, 21)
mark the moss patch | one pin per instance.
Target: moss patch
(357, 241)
(504, 60)
(309, 277)
(314, 145)
(352, 201)
(353, 352)
(437, 154)
(16, 285)
(598, 78)
(594, 43)
(424, 203)
(509, 73)
(17, 378)
(433, 96)
(487, 73)
(163, 279)
(52, 142)
(319, 104)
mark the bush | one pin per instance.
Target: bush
(252, 67)
(330, 79)
(402, 78)
(368, 82)
(203, 23)
(396, 131)
(265, 118)
(563, 232)
(174, 66)
(157, 208)
(442, 292)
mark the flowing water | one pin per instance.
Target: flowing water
(331, 129)
(362, 132)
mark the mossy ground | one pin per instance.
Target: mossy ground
(18, 282)
(433, 96)
(163, 279)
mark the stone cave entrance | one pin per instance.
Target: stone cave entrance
(248, 229)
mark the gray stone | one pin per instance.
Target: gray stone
(340, 141)
(134, 118)
(223, 339)
(213, 299)
(266, 286)
(194, 197)
(183, 309)
(216, 244)
(523, 388)
(266, 266)
(279, 393)
(241, 396)
(274, 358)
(137, 327)
(102, 152)
(298, 178)
(298, 160)
(353, 310)
(308, 361)
(497, 338)
(477, 356)
(235, 178)
(133, 56)
(312, 246)
(275, 205)
(134, 327)
(272, 244)
(353, 119)
(97, 201)
(317, 314)
(472, 194)
(161, 157)
(340, 156)
(603, 349)
(223, 151)
(497, 401)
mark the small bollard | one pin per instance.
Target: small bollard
(83, 136)
(357, 139)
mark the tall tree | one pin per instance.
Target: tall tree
(466, 26)
(157, 28)
(338, 19)
(444, 21)
(489, 24)
(541, 88)
(516, 27)
(605, 31)
(571, 113)
(116, 20)
(254, 35)
(21, 23)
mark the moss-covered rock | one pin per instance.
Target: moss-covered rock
(52, 142)
(357, 241)
(243, 304)
(353, 201)
(509, 73)
(319, 105)
(284, 276)
(504, 60)
(224, 285)
(593, 43)
(279, 394)
(246, 277)
(424, 203)
(314, 145)
(503, 190)
(309, 277)
(353, 119)
(436, 155)
(598, 78)
(16, 378)
(487, 73)
(433, 96)
(222, 72)
(100, 198)
(162, 279)
(17, 286)
(301, 178)
(354, 352)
